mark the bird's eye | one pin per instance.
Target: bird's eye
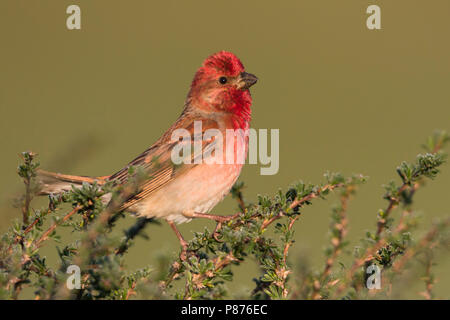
(223, 80)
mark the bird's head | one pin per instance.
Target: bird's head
(222, 85)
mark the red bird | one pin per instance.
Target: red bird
(219, 99)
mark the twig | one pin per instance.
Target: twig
(428, 277)
(26, 204)
(219, 264)
(46, 234)
(299, 202)
(315, 194)
(283, 272)
(341, 227)
(288, 244)
(368, 256)
(393, 202)
(131, 291)
(427, 241)
(100, 225)
(381, 225)
(176, 267)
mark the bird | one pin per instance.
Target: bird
(219, 100)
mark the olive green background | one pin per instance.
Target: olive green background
(345, 98)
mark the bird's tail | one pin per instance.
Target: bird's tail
(55, 183)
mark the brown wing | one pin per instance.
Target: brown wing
(156, 161)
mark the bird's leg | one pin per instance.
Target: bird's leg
(183, 243)
(219, 219)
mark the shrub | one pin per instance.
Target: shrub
(392, 247)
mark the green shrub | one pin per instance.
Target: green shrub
(393, 246)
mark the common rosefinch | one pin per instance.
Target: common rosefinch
(219, 98)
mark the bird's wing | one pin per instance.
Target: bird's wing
(156, 162)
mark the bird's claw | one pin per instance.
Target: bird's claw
(223, 219)
(216, 234)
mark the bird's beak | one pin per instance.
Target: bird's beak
(246, 80)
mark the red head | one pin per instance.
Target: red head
(221, 85)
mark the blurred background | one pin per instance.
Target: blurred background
(345, 98)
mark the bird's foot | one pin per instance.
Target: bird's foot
(220, 221)
(216, 233)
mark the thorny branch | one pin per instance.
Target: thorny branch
(100, 255)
